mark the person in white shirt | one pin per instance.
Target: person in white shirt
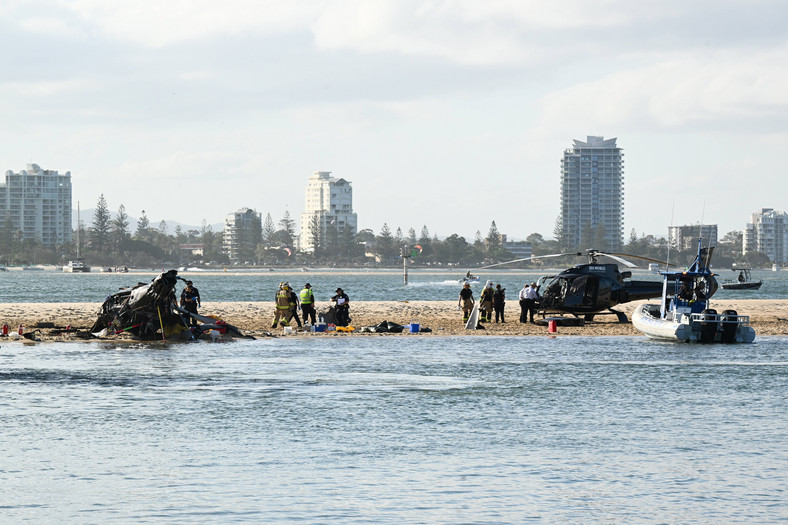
(523, 310)
(530, 296)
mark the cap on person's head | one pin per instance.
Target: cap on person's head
(467, 284)
(338, 290)
(307, 285)
(188, 283)
(533, 284)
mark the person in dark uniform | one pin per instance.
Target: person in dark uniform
(341, 307)
(465, 301)
(294, 306)
(499, 302)
(190, 300)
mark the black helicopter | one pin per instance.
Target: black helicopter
(592, 288)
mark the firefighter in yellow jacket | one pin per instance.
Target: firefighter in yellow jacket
(284, 310)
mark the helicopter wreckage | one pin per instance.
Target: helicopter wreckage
(150, 312)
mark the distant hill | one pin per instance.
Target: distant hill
(87, 217)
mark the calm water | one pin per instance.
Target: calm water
(360, 285)
(405, 429)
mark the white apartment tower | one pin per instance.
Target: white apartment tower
(331, 201)
(686, 237)
(592, 194)
(240, 230)
(767, 232)
(38, 203)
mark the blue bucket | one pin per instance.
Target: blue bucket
(414, 328)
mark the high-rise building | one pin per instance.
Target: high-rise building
(242, 230)
(38, 203)
(592, 195)
(329, 203)
(686, 237)
(767, 232)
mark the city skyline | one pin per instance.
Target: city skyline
(437, 112)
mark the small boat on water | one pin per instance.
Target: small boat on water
(743, 281)
(685, 314)
(77, 266)
(469, 278)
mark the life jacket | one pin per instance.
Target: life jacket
(307, 297)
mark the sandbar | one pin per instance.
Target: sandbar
(767, 317)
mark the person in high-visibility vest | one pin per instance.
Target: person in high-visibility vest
(284, 311)
(308, 304)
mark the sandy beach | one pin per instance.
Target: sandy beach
(768, 317)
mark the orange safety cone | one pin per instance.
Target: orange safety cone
(552, 326)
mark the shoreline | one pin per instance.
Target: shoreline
(767, 317)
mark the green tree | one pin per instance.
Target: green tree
(269, 230)
(100, 227)
(143, 227)
(286, 229)
(412, 236)
(384, 246)
(316, 233)
(119, 229)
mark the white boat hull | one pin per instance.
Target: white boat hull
(708, 328)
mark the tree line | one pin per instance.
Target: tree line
(110, 241)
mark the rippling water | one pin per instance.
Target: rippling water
(395, 430)
(361, 285)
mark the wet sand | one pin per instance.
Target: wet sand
(767, 317)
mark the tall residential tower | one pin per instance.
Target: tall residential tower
(767, 232)
(592, 195)
(38, 203)
(329, 204)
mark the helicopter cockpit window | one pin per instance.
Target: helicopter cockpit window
(582, 291)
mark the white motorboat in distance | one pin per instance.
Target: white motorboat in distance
(77, 266)
(684, 313)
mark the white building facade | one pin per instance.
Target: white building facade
(38, 203)
(767, 232)
(592, 193)
(240, 231)
(329, 201)
(686, 237)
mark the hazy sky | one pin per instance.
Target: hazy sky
(445, 113)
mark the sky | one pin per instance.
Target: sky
(449, 114)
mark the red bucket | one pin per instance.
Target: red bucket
(552, 326)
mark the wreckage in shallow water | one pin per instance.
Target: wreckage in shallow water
(150, 311)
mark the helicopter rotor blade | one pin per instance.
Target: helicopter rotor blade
(533, 257)
(649, 259)
(616, 258)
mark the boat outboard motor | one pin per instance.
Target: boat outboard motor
(708, 325)
(730, 325)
